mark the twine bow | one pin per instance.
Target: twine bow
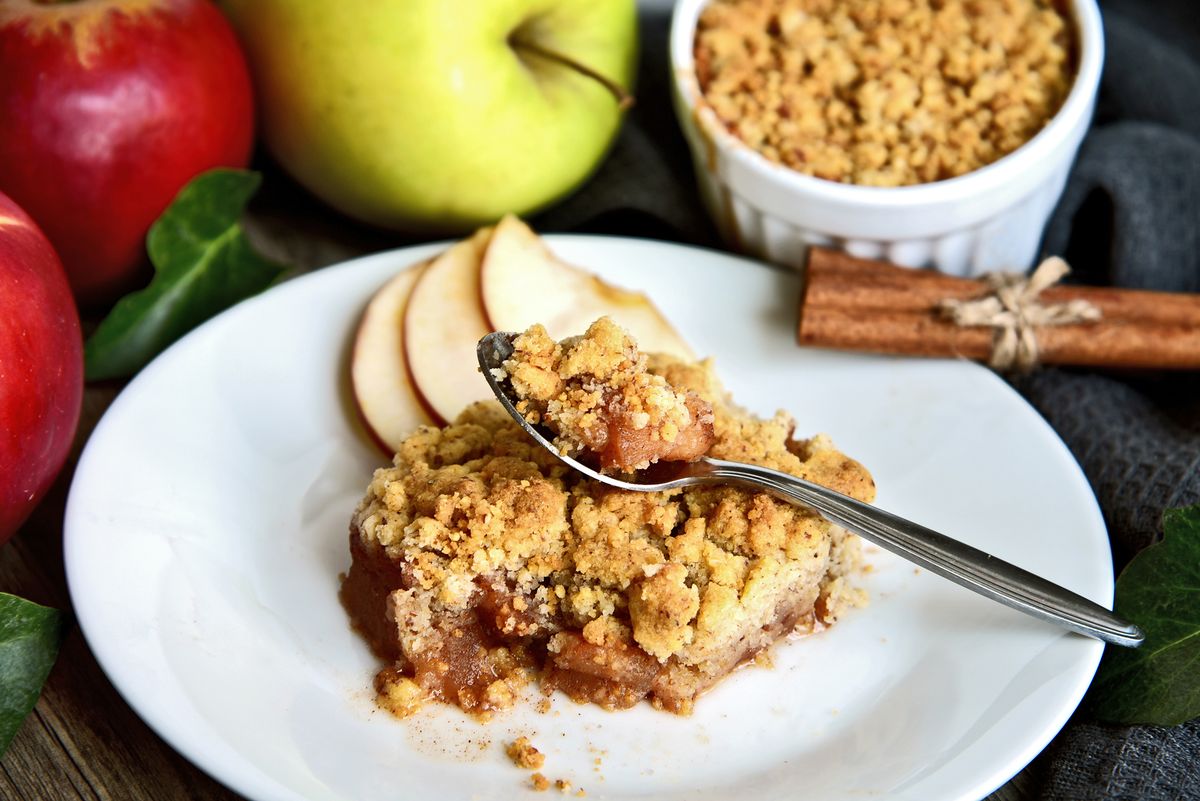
(1014, 311)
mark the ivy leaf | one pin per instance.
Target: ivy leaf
(29, 638)
(1158, 683)
(203, 264)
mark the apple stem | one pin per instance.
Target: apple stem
(624, 99)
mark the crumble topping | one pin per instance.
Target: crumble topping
(595, 392)
(524, 755)
(480, 562)
(884, 92)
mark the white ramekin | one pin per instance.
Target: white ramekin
(989, 219)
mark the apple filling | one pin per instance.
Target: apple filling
(596, 393)
(480, 564)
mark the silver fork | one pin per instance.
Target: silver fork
(947, 557)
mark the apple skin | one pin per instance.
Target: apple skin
(41, 366)
(418, 115)
(109, 108)
(380, 378)
(443, 323)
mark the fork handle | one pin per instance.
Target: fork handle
(957, 561)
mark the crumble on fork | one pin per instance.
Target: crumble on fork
(596, 393)
(481, 563)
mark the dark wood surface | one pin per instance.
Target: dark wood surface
(82, 740)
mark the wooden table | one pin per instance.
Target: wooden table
(82, 740)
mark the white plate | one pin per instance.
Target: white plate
(207, 523)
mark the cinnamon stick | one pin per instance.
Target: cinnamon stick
(858, 304)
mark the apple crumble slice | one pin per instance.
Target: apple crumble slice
(480, 563)
(596, 393)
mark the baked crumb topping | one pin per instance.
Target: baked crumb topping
(595, 393)
(481, 562)
(524, 755)
(884, 92)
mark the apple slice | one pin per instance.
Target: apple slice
(383, 391)
(522, 282)
(442, 324)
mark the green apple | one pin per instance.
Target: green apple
(435, 115)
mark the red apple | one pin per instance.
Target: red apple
(41, 366)
(109, 107)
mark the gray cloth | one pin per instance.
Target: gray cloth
(1091, 761)
(1130, 216)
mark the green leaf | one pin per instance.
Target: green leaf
(1159, 683)
(29, 638)
(202, 264)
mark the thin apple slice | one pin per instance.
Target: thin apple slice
(383, 391)
(442, 324)
(522, 282)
